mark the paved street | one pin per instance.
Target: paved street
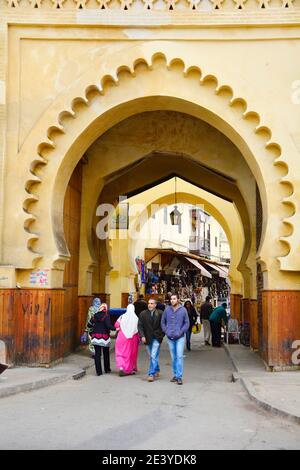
(112, 412)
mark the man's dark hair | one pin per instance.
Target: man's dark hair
(141, 296)
(208, 298)
(224, 305)
(176, 295)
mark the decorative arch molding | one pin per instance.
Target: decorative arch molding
(73, 120)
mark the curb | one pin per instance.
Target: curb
(238, 375)
(42, 383)
(79, 374)
(265, 405)
(231, 358)
(30, 386)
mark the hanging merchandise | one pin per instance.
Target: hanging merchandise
(143, 273)
(175, 275)
(138, 262)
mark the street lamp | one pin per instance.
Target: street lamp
(175, 215)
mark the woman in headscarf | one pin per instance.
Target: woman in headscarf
(127, 342)
(94, 308)
(100, 327)
(193, 319)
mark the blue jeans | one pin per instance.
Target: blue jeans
(153, 349)
(176, 347)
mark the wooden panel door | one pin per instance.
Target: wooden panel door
(7, 323)
(72, 208)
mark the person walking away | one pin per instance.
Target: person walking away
(205, 312)
(100, 327)
(151, 334)
(192, 319)
(140, 305)
(127, 342)
(175, 323)
(218, 315)
(93, 309)
(160, 304)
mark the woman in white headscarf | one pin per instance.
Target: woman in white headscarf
(127, 342)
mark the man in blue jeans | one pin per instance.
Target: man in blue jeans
(149, 327)
(175, 323)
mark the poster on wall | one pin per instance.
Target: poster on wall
(39, 278)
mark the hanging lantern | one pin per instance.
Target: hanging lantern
(175, 215)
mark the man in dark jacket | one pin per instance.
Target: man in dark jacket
(149, 327)
(175, 323)
(205, 311)
(218, 316)
(140, 305)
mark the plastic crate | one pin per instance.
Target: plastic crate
(116, 312)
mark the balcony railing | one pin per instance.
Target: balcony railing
(199, 245)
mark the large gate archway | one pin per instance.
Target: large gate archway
(145, 81)
(146, 78)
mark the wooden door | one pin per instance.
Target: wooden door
(72, 209)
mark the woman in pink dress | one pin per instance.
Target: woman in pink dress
(127, 342)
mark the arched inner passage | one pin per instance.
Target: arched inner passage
(143, 175)
(149, 148)
(140, 153)
(199, 233)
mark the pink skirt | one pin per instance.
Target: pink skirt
(126, 351)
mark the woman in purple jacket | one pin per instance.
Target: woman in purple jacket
(175, 323)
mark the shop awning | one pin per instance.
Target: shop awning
(201, 268)
(224, 268)
(218, 269)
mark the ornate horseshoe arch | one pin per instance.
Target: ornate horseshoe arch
(151, 80)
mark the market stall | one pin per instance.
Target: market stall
(192, 277)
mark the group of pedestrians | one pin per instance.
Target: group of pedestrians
(148, 324)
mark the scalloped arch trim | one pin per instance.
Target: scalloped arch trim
(101, 87)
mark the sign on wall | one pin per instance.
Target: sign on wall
(39, 278)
